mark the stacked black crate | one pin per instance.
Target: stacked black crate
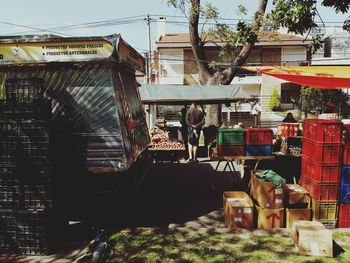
(25, 177)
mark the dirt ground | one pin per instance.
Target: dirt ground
(172, 196)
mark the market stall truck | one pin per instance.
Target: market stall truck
(73, 135)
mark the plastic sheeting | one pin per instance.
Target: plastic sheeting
(328, 77)
(179, 94)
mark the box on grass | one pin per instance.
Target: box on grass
(312, 238)
(270, 217)
(266, 194)
(293, 215)
(238, 210)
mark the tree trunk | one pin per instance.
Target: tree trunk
(213, 115)
(207, 75)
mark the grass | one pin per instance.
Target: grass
(211, 246)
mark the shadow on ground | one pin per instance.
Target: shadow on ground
(176, 194)
(172, 195)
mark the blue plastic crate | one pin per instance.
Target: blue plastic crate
(258, 150)
(345, 185)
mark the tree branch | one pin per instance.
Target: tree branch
(197, 47)
(247, 47)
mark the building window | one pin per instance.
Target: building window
(290, 92)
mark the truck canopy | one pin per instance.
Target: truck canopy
(96, 106)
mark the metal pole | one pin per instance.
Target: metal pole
(149, 50)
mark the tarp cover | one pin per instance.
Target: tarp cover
(179, 94)
(328, 77)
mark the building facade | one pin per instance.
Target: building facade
(175, 64)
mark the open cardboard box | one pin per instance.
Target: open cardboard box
(238, 210)
(266, 194)
(312, 238)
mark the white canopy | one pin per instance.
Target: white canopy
(180, 94)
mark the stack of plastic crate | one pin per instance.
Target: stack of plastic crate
(26, 196)
(344, 207)
(259, 141)
(230, 142)
(321, 163)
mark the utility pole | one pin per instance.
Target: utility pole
(149, 71)
(152, 109)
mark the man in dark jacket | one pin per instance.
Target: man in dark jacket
(194, 120)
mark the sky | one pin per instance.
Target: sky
(105, 17)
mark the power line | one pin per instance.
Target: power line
(237, 19)
(248, 62)
(35, 28)
(130, 20)
(86, 25)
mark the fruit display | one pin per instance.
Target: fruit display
(160, 140)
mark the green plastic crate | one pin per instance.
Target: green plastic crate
(229, 136)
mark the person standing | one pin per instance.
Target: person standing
(194, 120)
(184, 127)
(289, 118)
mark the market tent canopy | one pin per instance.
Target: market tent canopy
(328, 77)
(180, 94)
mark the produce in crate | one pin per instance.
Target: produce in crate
(160, 140)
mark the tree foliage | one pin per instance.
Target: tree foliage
(311, 98)
(237, 42)
(275, 101)
(339, 5)
(297, 16)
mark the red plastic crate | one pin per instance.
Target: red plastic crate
(344, 215)
(231, 150)
(346, 133)
(323, 131)
(259, 136)
(346, 153)
(320, 172)
(326, 153)
(320, 191)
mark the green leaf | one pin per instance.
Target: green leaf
(242, 10)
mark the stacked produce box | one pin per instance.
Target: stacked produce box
(344, 208)
(297, 203)
(230, 142)
(269, 200)
(244, 142)
(238, 210)
(322, 151)
(258, 141)
(272, 203)
(26, 198)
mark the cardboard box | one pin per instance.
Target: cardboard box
(238, 210)
(296, 194)
(270, 217)
(266, 194)
(312, 238)
(293, 215)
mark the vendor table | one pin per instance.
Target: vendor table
(161, 155)
(230, 159)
